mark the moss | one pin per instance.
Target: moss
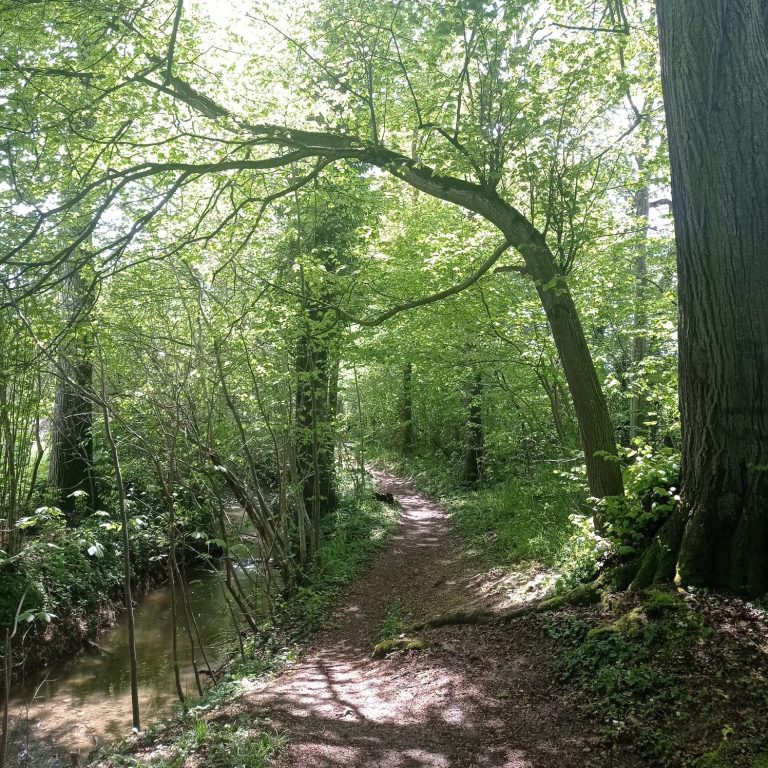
(631, 624)
(387, 647)
(553, 603)
(584, 594)
(657, 603)
(730, 754)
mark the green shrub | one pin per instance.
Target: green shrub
(14, 582)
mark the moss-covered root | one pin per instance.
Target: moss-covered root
(452, 619)
(659, 562)
(584, 594)
(386, 647)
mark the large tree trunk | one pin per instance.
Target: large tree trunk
(714, 56)
(71, 455)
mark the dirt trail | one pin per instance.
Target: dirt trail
(483, 697)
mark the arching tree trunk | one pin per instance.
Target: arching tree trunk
(598, 439)
(714, 56)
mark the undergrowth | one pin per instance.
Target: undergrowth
(645, 675)
(243, 743)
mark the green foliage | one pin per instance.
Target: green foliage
(15, 580)
(583, 553)
(527, 518)
(651, 480)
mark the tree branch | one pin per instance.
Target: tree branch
(172, 42)
(431, 299)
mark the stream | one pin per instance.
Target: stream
(82, 702)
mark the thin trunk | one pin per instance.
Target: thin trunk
(175, 623)
(7, 669)
(361, 430)
(553, 395)
(474, 443)
(638, 405)
(408, 438)
(127, 591)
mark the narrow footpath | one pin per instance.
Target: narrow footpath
(482, 696)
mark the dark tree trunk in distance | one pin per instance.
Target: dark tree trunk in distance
(408, 437)
(714, 56)
(474, 444)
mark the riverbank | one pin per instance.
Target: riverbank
(66, 584)
(87, 702)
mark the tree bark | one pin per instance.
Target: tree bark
(714, 58)
(474, 444)
(71, 456)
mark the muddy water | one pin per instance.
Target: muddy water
(83, 702)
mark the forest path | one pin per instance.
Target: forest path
(484, 696)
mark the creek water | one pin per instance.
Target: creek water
(83, 702)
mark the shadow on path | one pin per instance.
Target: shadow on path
(481, 697)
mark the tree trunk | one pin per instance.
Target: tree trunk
(596, 430)
(474, 444)
(408, 434)
(315, 443)
(714, 57)
(71, 456)
(638, 405)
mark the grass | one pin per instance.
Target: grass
(244, 743)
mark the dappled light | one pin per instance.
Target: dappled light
(436, 708)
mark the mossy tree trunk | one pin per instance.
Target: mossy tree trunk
(71, 452)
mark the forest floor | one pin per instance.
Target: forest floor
(496, 696)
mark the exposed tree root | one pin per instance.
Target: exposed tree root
(582, 595)
(658, 564)
(386, 647)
